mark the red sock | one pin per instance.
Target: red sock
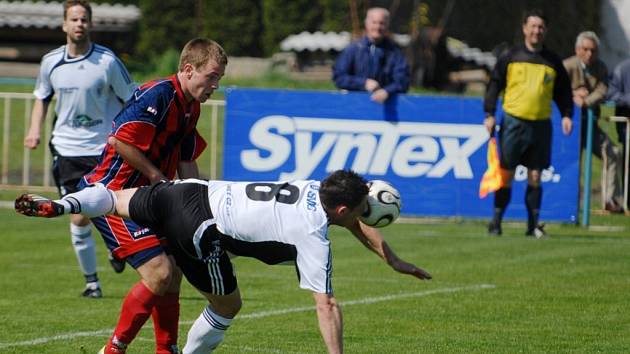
(165, 322)
(136, 309)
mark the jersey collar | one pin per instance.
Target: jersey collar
(184, 106)
(178, 89)
(67, 58)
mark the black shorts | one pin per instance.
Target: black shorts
(67, 171)
(525, 142)
(180, 212)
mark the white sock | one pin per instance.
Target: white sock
(92, 201)
(206, 333)
(84, 247)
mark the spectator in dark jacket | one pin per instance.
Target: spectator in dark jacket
(374, 63)
(619, 93)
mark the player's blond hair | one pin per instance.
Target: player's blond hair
(84, 3)
(199, 51)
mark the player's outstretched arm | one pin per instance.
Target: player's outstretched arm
(330, 321)
(373, 240)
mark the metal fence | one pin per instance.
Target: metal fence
(17, 167)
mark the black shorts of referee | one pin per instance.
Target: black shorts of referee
(525, 142)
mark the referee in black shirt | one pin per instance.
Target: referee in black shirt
(530, 77)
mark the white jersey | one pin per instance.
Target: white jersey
(287, 212)
(90, 90)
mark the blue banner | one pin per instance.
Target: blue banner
(431, 148)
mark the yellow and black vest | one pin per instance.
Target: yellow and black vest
(529, 81)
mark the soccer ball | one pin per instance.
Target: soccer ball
(383, 204)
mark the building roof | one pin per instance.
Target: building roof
(28, 14)
(307, 41)
(325, 42)
(315, 41)
(459, 49)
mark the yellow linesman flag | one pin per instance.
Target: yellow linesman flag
(492, 179)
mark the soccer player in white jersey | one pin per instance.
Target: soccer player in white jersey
(91, 85)
(275, 222)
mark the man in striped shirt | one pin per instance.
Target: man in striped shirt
(154, 138)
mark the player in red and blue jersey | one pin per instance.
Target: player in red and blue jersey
(161, 126)
(155, 138)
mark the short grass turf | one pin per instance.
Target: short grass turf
(509, 294)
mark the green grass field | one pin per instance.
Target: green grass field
(566, 294)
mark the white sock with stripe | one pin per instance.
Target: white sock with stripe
(85, 249)
(206, 333)
(92, 201)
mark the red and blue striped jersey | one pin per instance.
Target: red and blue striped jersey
(158, 121)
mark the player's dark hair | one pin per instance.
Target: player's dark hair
(534, 13)
(199, 51)
(343, 187)
(84, 3)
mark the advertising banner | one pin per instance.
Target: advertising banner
(431, 148)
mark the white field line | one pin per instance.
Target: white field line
(368, 300)
(239, 275)
(335, 278)
(283, 277)
(42, 340)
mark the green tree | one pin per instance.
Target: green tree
(336, 16)
(235, 24)
(282, 18)
(122, 2)
(487, 23)
(165, 24)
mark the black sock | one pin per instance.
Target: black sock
(533, 198)
(91, 278)
(501, 200)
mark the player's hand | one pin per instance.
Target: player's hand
(31, 140)
(407, 268)
(371, 85)
(379, 96)
(578, 100)
(567, 125)
(157, 177)
(582, 92)
(490, 123)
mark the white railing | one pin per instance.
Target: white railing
(11, 138)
